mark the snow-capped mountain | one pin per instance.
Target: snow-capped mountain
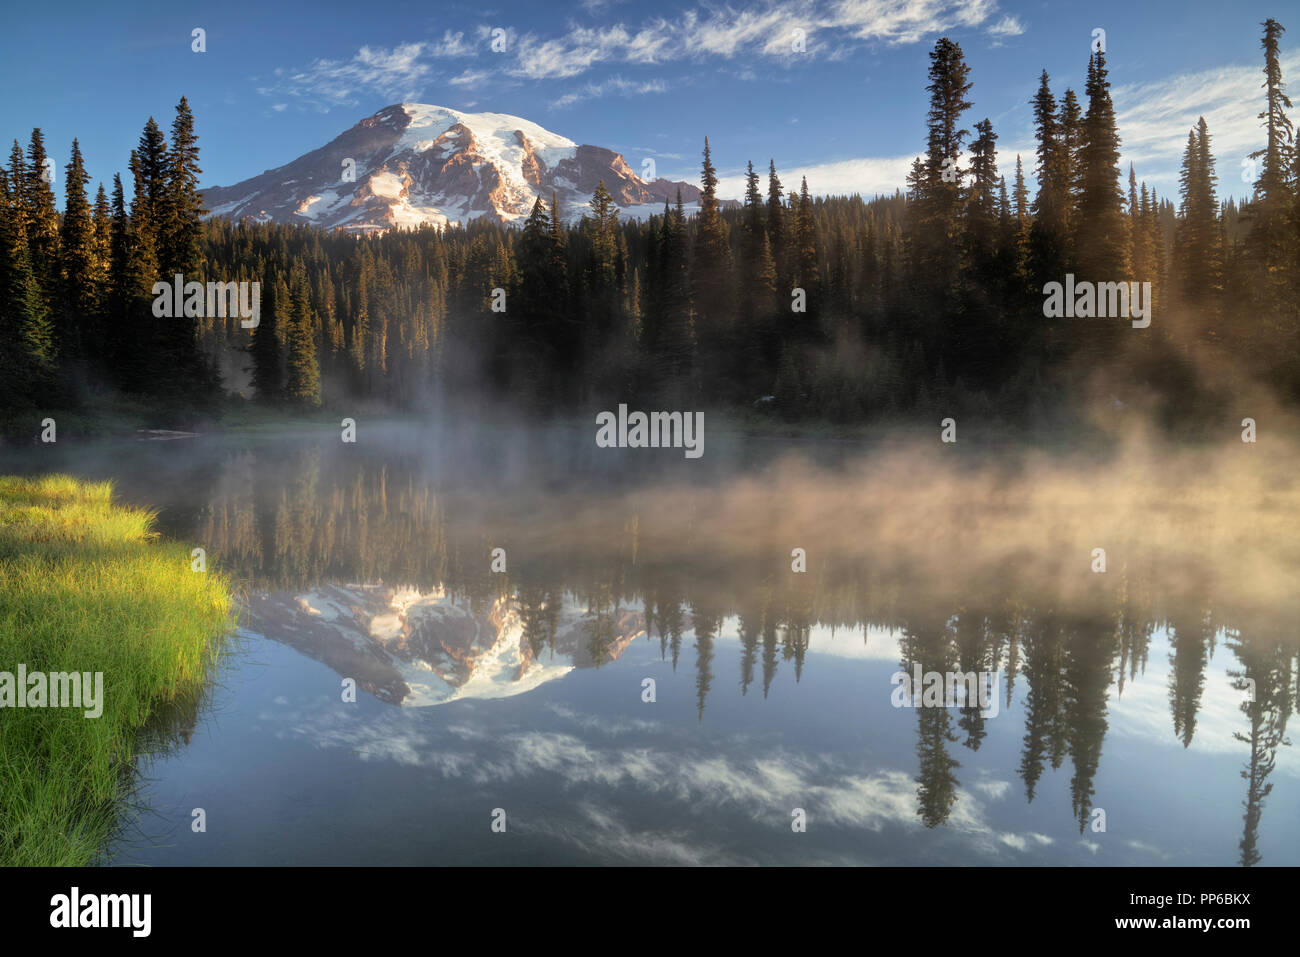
(411, 164)
(424, 648)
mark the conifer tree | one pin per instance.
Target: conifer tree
(674, 343)
(1020, 195)
(755, 228)
(17, 180)
(102, 218)
(1019, 241)
(805, 244)
(1049, 207)
(757, 286)
(180, 247)
(1139, 251)
(1198, 249)
(938, 189)
(42, 221)
(711, 275)
(558, 244)
(79, 293)
(1071, 160)
(268, 374)
(132, 272)
(753, 200)
(358, 344)
(603, 234)
(544, 327)
(1274, 191)
(981, 204)
(302, 385)
(603, 329)
(148, 204)
(143, 224)
(1100, 237)
(776, 221)
(26, 337)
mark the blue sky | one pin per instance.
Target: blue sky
(647, 80)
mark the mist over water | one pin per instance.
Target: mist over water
(523, 688)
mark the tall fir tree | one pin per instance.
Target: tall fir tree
(133, 269)
(302, 385)
(938, 187)
(17, 180)
(150, 174)
(1047, 240)
(42, 220)
(675, 346)
(27, 369)
(1100, 237)
(1071, 162)
(776, 223)
(757, 288)
(711, 279)
(808, 274)
(982, 208)
(1197, 246)
(78, 273)
(268, 364)
(180, 250)
(1273, 209)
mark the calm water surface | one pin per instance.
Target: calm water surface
(1153, 696)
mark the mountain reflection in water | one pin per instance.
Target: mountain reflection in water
(376, 561)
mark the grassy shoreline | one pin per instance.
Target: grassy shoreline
(86, 587)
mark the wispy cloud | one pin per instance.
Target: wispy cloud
(451, 45)
(561, 58)
(399, 72)
(1008, 26)
(777, 29)
(599, 6)
(470, 78)
(1154, 119)
(615, 85)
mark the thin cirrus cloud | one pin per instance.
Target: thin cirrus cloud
(774, 30)
(470, 78)
(1008, 26)
(769, 30)
(399, 72)
(614, 85)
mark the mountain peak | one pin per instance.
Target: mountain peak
(411, 164)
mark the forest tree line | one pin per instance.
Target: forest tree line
(833, 308)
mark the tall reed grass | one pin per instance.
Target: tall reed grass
(86, 586)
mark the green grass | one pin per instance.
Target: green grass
(85, 586)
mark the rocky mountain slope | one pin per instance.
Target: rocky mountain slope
(412, 164)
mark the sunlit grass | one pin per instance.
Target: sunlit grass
(85, 586)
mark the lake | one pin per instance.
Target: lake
(510, 646)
